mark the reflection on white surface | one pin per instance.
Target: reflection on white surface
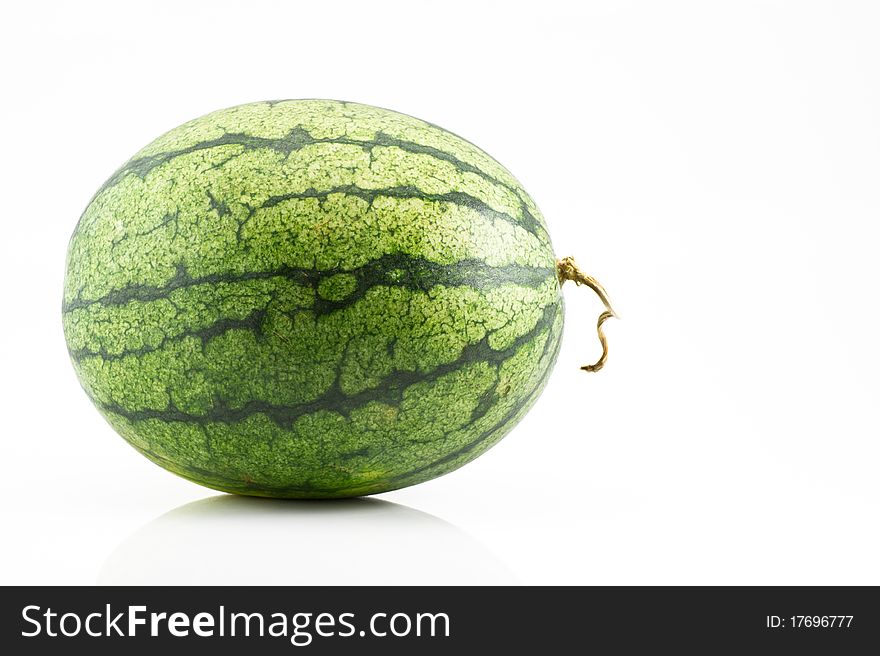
(242, 541)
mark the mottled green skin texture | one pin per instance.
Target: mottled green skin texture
(311, 299)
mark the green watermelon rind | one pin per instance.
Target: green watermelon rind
(311, 299)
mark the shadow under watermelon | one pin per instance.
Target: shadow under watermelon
(234, 540)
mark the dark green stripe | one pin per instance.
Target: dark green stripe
(458, 198)
(416, 273)
(390, 390)
(253, 322)
(298, 138)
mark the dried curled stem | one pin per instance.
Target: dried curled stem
(567, 269)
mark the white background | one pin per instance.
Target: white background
(715, 165)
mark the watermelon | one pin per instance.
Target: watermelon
(310, 299)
